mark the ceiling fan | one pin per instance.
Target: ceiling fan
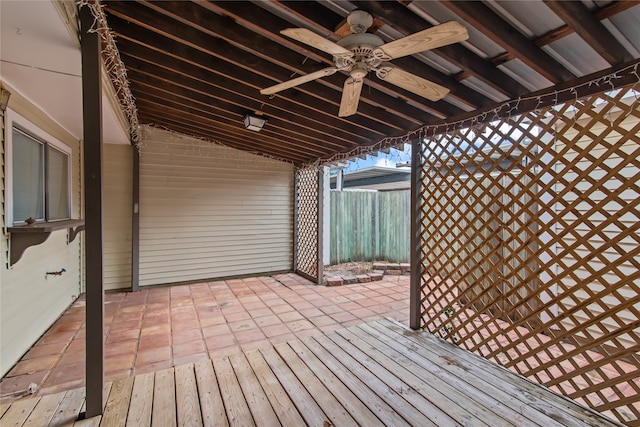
(360, 53)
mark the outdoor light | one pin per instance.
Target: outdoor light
(254, 122)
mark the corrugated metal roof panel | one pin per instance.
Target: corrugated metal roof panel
(627, 29)
(524, 74)
(478, 85)
(576, 55)
(438, 13)
(532, 18)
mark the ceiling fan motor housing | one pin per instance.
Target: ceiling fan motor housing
(362, 46)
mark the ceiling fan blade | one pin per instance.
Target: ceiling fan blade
(429, 90)
(314, 40)
(298, 81)
(431, 38)
(350, 97)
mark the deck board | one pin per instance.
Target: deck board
(360, 412)
(253, 393)
(164, 399)
(141, 401)
(370, 373)
(187, 403)
(278, 397)
(332, 407)
(501, 399)
(235, 404)
(68, 409)
(211, 405)
(115, 413)
(378, 373)
(375, 403)
(547, 404)
(304, 402)
(44, 410)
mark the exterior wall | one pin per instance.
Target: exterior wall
(117, 206)
(208, 211)
(30, 301)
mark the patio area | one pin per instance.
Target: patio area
(159, 328)
(375, 374)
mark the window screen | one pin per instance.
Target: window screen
(57, 184)
(28, 177)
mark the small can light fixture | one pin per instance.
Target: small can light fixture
(254, 121)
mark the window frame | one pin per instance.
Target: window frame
(28, 128)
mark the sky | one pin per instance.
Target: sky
(390, 160)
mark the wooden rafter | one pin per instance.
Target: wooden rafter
(512, 41)
(587, 26)
(208, 61)
(398, 16)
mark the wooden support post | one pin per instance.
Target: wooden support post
(416, 236)
(135, 223)
(320, 278)
(92, 125)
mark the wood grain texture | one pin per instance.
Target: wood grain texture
(379, 373)
(187, 403)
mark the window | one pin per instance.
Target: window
(39, 174)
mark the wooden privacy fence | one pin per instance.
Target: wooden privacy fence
(369, 226)
(530, 237)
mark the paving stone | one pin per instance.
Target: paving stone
(382, 266)
(335, 281)
(349, 280)
(375, 276)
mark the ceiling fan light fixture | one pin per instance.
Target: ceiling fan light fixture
(359, 21)
(254, 122)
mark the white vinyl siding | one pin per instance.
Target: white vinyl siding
(208, 211)
(117, 211)
(30, 300)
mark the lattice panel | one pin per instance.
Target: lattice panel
(531, 246)
(307, 221)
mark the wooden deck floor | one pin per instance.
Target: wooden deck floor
(373, 374)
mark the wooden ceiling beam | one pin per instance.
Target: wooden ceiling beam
(211, 24)
(510, 39)
(587, 26)
(626, 74)
(223, 77)
(403, 19)
(461, 92)
(152, 20)
(254, 17)
(185, 86)
(149, 85)
(604, 12)
(179, 114)
(183, 126)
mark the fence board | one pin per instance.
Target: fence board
(369, 226)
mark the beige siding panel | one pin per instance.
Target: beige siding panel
(608, 256)
(31, 300)
(117, 211)
(207, 211)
